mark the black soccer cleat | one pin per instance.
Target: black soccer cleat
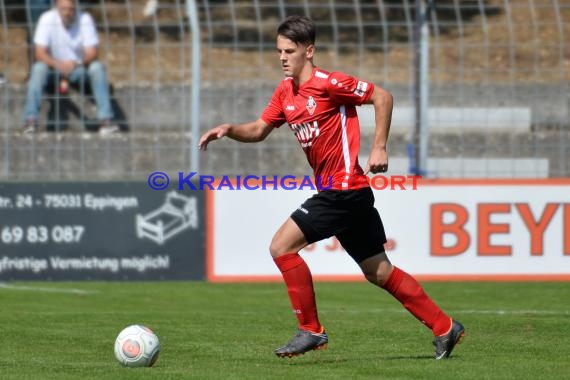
(302, 342)
(444, 344)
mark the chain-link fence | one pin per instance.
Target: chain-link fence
(498, 83)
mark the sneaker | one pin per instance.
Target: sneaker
(108, 128)
(302, 342)
(30, 127)
(444, 344)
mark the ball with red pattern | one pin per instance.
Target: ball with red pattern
(137, 346)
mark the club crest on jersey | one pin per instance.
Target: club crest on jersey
(311, 105)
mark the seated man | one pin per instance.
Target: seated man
(66, 50)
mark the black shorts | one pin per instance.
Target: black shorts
(349, 215)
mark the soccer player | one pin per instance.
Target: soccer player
(319, 107)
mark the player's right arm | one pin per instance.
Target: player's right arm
(253, 131)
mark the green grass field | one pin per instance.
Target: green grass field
(229, 331)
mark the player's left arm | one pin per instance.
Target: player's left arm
(383, 103)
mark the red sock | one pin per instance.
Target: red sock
(409, 292)
(299, 284)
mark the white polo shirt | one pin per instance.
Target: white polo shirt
(63, 43)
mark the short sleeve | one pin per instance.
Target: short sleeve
(273, 113)
(41, 35)
(349, 90)
(88, 30)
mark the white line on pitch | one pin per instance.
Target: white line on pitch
(4, 285)
(516, 312)
(470, 311)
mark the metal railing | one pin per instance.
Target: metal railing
(498, 81)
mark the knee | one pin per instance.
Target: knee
(96, 68)
(275, 248)
(379, 275)
(280, 246)
(39, 70)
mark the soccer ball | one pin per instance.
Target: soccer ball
(137, 346)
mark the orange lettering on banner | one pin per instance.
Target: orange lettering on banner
(536, 229)
(486, 229)
(566, 229)
(439, 229)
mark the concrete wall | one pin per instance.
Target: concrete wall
(168, 107)
(159, 137)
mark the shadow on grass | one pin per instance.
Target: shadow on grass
(408, 357)
(305, 361)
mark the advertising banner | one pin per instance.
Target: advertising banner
(100, 231)
(441, 230)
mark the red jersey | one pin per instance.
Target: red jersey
(322, 114)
